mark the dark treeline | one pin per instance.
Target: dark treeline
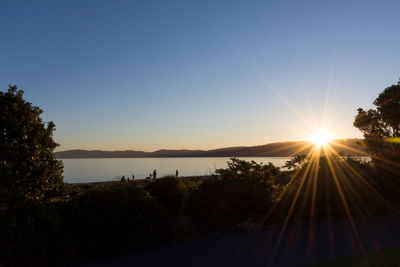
(46, 222)
(95, 222)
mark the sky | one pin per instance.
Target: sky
(148, 75)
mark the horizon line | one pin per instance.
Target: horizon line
(243, 146)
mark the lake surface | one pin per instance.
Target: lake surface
(98, 170)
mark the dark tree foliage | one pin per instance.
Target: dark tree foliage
(241, 193)
(381, 126)
(28, 168)
(247, 169)
(388, 105)
(295, 163)
(99, 222)
(322, 187)
(169, 190)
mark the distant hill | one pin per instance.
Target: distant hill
(281, 149)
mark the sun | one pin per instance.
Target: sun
(321, 138)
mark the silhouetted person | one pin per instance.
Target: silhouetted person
(133, 177)
(176, 173)
(154, 175)
(123, 178)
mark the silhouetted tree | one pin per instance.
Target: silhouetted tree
(381, 126)
(247, 169)
(295, 163)
(388, 105)
(28, 168)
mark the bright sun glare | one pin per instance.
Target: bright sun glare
(321, 138)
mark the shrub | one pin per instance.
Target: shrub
(169, 191)
(115, 219)
(247, 169)
(242, 193)
(336, 188)
(105, 221)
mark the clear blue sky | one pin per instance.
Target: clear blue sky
(148, 75)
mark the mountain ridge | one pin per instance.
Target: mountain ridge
(279, 149)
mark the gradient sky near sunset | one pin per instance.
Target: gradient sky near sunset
(148, 75)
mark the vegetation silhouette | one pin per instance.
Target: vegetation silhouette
(28, 168)
(381, 126)
(238, 194)
(58, 224)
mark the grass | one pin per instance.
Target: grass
(389, 257)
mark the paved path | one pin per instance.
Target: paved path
(299, 246)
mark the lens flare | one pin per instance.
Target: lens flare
(321, 138)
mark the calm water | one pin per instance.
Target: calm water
(96, 170)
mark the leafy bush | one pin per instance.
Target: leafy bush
(97, 221)
(105, 221)
(243, 193)
(169, 191)
(118, 219)
(247, 169)
(295, 163)
(332, 187)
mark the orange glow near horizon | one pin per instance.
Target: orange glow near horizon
(321, 138)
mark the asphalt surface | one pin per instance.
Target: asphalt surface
(300, 244)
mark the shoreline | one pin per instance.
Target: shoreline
(136, 180)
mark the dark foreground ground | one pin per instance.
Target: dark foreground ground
(300, 245)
